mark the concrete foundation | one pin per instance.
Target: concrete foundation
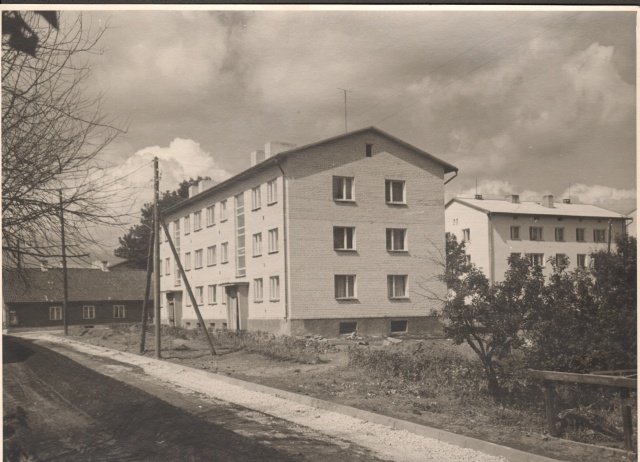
(425, 325)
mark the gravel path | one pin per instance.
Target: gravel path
(385, 442)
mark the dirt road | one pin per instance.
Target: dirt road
(57, 409)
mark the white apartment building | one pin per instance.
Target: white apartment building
(495, 229)
(327, 238)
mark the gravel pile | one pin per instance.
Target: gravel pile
(387, 443)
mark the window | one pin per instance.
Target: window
(397, 286)
(344, 238)
(199, 295)
(582, 260)
(224, 256)
(394, 191)
(515, 232)
(347, 327)
(345, 286)
(535, 233)
(599, 235)
(580, 235)
(274, 288)
(257, 244)
(256, 202)
(536, 259)
(516, 254)
(211, 255)
(211, 215)
(176, 233)
(198, 259)
(257, 290)
(88, 312)
(167, 266)
(273, 240)
(369, 150)
(343, 188)
(211, 294)
(398, 326)
(396, 239)
(223, 210)
(559, 234)
(272, 191)
(560, 257)
(223, 297)
(118, 311)
(187, 224)
(55, 313)
(466, 235)
(197, 220)
(187, 261)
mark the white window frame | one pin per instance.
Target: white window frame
(211, 215)
(583, 257)
(116, 311)
(257, 244)
(274, 288)
(256, 199)
(55, 313)
(514, 233)
(197, 259)
(597, 232)
(199, 295)
(88, 312)
(258, 290)
(273, 241)
(466, 235)
(388, 191)
(536, 256)
(272, 191)
(581, 235)
(212, 294)
(394, 281)
(559, 234)
(224, 216)
(167, 266)
(343, 189)
(390, 239)
(350, 285)
(224, 252)
(211, 255)
(186, 225)
(197, 221)
(344, 231)
(536, 230)
(187, 261)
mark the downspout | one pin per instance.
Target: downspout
(285, 240)
(491, 255)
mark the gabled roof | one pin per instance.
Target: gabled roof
(274, 160)
(84, 284)
(534, 208)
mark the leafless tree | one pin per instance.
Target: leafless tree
(53, 131)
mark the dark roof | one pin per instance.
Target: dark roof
(448, 168)
(35, 285)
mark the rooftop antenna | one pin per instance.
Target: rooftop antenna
(345, 107)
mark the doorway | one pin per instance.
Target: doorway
(237, 306)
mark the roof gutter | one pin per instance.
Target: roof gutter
(455, 175)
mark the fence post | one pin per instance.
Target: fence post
(550, 405)
(627, 423)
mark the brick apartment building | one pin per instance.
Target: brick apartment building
(495, 229)
(325, 238)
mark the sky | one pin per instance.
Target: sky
(521, 101)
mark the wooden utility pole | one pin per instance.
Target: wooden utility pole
(65, 285)
(609, 238)
(188, 287)
(156, 255)
(147, 289)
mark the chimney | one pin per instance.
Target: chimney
(276, 147)
(105, 266)
(206, 184)
(547, 201)
(566, 201)
(257, 157)
(479, 196)
(44, 266)
(193, 190)
(513, 198)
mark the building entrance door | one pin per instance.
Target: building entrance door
(237, 306)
